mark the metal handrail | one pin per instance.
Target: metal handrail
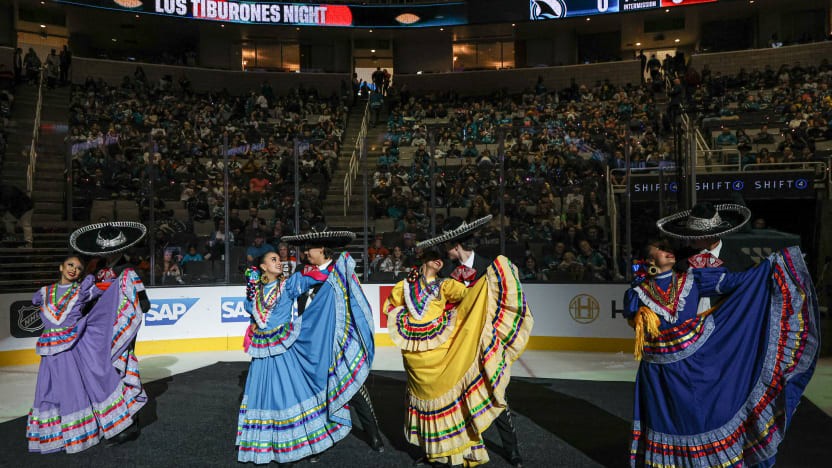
(723, 152)
(819, 167)
(355, 158)
(33, 151)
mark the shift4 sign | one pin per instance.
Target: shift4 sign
(168, 311)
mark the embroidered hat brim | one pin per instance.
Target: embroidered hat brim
(731, 218)
(323, 238)
(88, 240)
(463, 230)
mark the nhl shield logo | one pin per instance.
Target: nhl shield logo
(26, 322)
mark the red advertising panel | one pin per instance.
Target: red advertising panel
(674, 3)
(383, 294)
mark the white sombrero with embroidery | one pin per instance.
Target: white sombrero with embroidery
(462, 230)
(107, 238)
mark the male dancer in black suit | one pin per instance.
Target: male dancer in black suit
(467, 266)
(702, 228)
(320, 253)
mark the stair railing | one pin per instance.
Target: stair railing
(358, 153)
(33, 149)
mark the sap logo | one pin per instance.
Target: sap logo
(168, 311)
(233, 309)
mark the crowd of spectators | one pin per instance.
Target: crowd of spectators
(767, 115)
(162, 143)
(557, 146)
(551, 186)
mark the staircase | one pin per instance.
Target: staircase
(333, 206)
(27, 269)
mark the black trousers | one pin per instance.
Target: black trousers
(363, 407)
(508, 435)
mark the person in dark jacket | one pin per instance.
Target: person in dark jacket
(16, 208)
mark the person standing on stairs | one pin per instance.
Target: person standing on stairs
(16, 209)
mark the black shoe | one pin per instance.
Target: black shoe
(377, 444)
(127, 435)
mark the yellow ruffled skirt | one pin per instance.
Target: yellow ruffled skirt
(457, 379)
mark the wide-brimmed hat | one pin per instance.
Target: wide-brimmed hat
(321, 237)
(704, 221)
(454, 228)
(107, 238)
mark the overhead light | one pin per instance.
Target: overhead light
(43, 26)
(513, 25)
(371, 30)
(441, 29)
(407, 18)
(667, 11)
(137, 16)
(588, 19)
(638, 43)
(373, 50)
(419, 72)
(222, 25)
(676, 40)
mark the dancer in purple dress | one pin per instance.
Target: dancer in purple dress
(88, 385)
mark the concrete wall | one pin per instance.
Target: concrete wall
(204, 79)
(731, 62)
(483, 82)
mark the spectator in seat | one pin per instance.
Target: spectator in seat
(763, 137)
(529, 271)
(192, 255)
(257, 248)
(377, 252)
(726, 138)
(393, 263)
(594, 263)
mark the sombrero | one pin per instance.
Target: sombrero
(107, 238)
(704, 221)
(454, 228)
(321, 236)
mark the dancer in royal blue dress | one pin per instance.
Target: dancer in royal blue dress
(719, 388)
(306, 364)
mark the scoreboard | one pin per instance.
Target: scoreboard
(557, 9)
(453, 13)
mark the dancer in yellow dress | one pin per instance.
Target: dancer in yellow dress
(458, 345)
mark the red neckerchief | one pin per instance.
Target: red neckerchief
(464, 274)
(704, 260)
(315, 273)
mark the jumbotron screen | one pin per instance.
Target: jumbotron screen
(556, 9)
(294, 14)
(378, 16)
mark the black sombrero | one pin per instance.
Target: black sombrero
(107, 238)
(705, 221)
(455, 228)
(321, 236)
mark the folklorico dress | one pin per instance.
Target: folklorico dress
(458, 345)
(88, 382)
(304, 368)
(720, 388)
